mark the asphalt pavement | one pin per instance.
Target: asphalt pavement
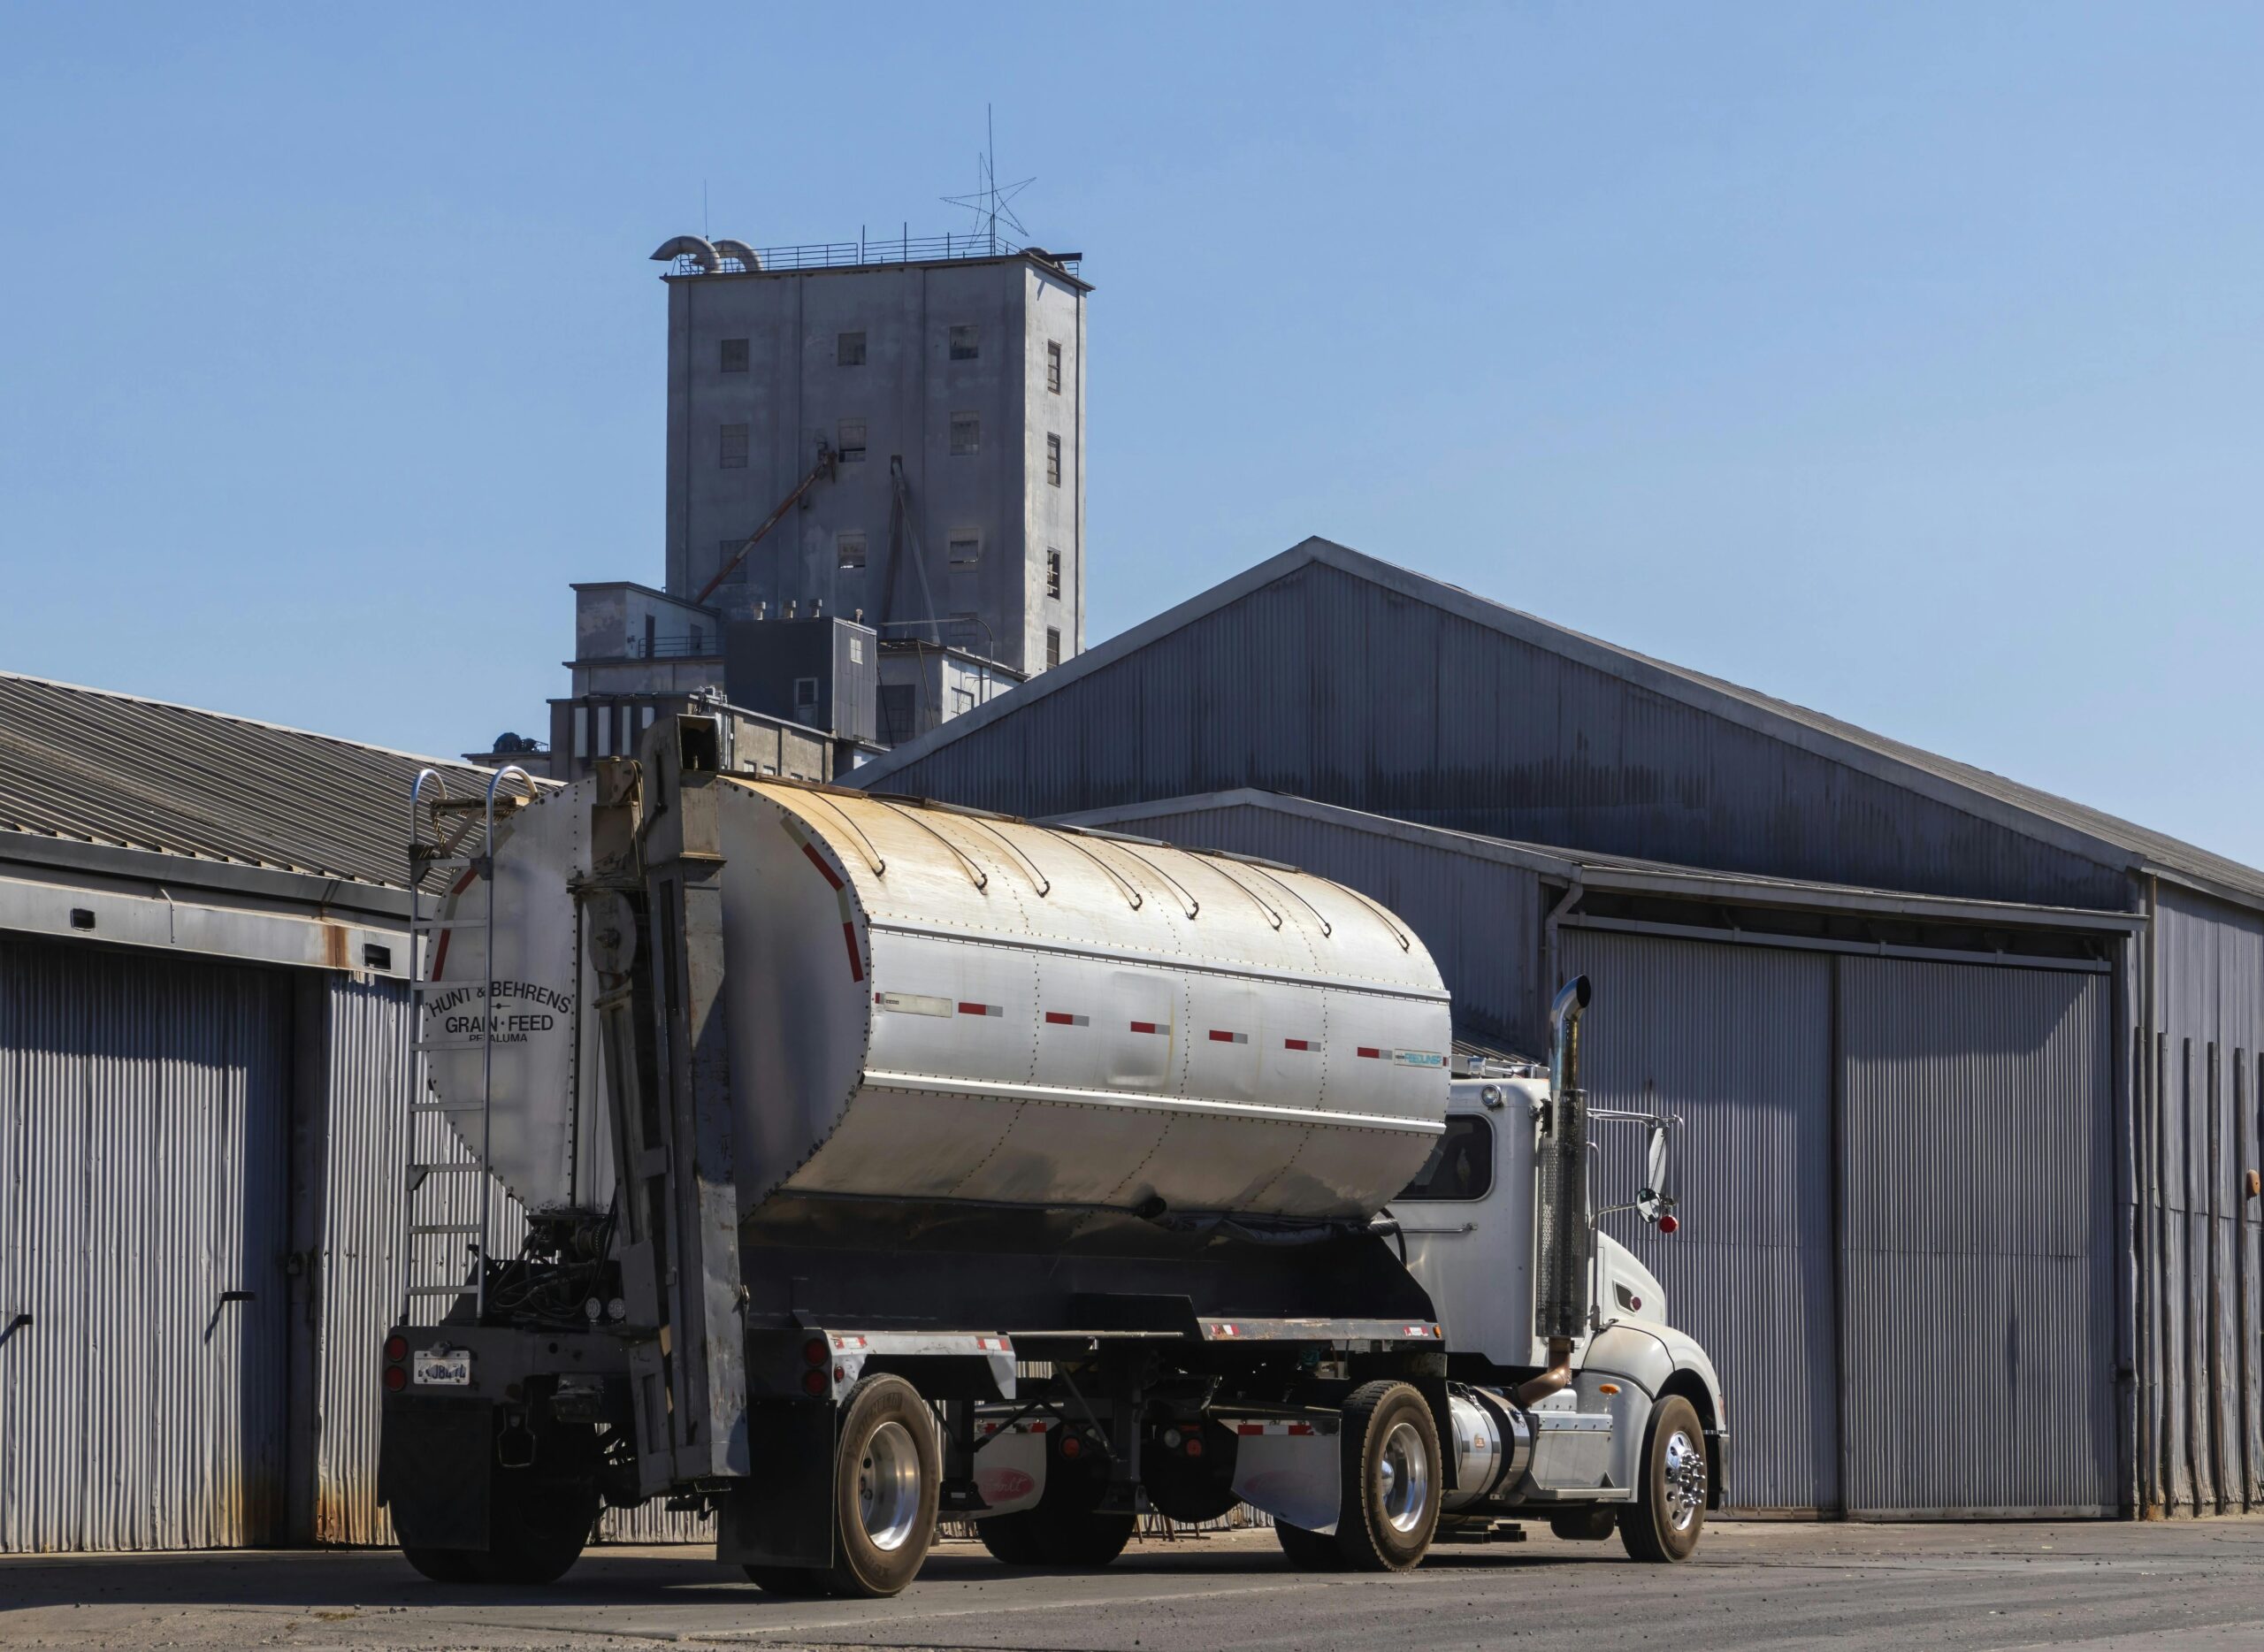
(2108, 1587)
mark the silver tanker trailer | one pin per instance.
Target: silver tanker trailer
(880, 1161)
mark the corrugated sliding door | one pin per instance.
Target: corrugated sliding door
(1736, 1039)
(1979, 1220)
(143, 1167)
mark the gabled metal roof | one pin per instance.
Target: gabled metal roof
(2032, 813)
(85, 765)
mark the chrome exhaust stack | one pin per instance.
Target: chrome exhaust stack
(1560, 1302)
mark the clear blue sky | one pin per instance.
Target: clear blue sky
(1904, 361)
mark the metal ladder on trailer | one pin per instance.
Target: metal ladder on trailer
(434, 1243)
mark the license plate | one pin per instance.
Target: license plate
(441, 1368)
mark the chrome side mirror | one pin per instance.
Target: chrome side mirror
(1656, 1201)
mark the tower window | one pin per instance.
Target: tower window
(849, 550)
(1053, 646)
(805, 693)
(967, 433)
(966, 343)
(734, 357)
(731, 453)
(1054, 459)
(851, 434)
(1053, 368)
(849, 350)
(965, 550)
(1052, 573)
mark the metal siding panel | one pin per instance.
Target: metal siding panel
(1977, 1215)
(1327, 685)
(1736, 1041)
(366, 1154)
(150, 1102)
(2210, 993)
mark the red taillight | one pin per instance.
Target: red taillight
(1193, 1446)
(396, 1379)
(1667, 1224)
(1071, 1445)
(813, 1384)
(814, 1350)
(396, 1347)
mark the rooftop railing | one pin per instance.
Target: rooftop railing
(903, 248)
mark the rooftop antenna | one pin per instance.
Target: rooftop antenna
(991, 201)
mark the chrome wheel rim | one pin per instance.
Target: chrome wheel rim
(1685, 1473)
(888, 1486)
(1404, 1469)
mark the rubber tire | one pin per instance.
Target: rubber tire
(1369, 1542)
(443, 1565)
(1590, 1524)
(1086, 1540)
(794, 1582)
(1063, 1529)
(1645, 1530)
(863, 1570)
(536, 1529)
(1011, 1539)
(1308, 1551)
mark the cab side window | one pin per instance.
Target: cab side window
(1461, 1165)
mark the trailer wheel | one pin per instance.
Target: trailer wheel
(1663, 1522)
(537, 1529)
(1066, 1527)
(443, 1565)
(1388, 1503)
(1011, 1539)
(888, 1472)
(1308, 1551)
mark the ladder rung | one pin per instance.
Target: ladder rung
(432, 1106)
(444, 1043)
(422, 924)
(450, 1169)
(435, 986)
(445, 1227)
(442, 1290)
(455, 863)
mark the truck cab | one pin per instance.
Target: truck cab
(1473, 1222)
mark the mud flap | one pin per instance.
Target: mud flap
(433, 1472)
(784, 1517)
(1293, 1477)
(1009, 1469)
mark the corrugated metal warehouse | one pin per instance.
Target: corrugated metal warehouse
(202, 1122)
(1947, 1159)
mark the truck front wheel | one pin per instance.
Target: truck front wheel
(887, 1476)
(1670, 1508)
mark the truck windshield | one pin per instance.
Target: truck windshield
(1461, 1165)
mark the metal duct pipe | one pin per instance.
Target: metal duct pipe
(701, 253)
(748, 258)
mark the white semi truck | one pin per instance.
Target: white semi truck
(882, 1161)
